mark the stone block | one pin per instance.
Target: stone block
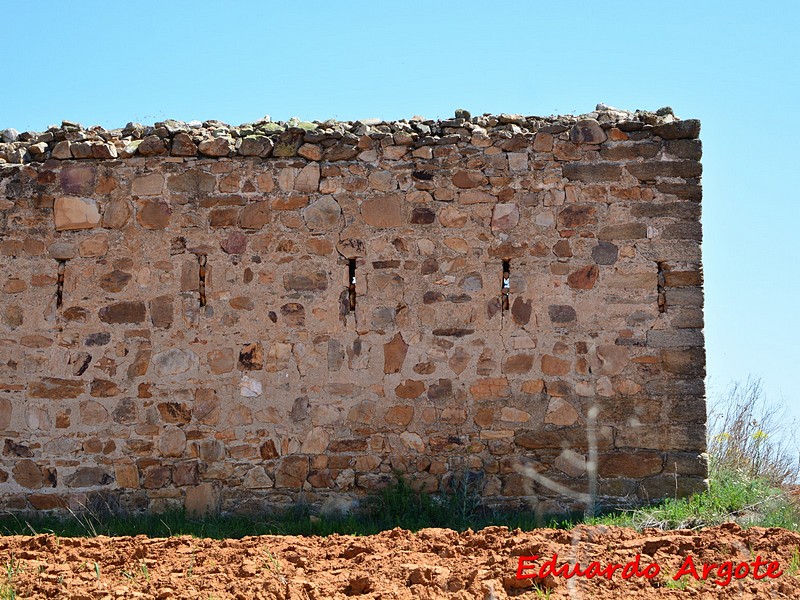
(382, 212)
(75, 213)
(665, 338)
(123, 312)
(291, 472)
(599, 172)
(630, 464)
(201, 500)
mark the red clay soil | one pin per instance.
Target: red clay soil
(433, 563)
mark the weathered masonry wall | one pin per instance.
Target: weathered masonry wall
(178, 325)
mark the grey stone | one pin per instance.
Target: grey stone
(9, 135)
(666, 338)
(174, 362)
(605, 253)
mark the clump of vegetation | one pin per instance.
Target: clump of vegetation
(752, 438)
(396, 505)
(753, 469)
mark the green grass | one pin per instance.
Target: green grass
(7, 591)
(397, 505)
(730, 497)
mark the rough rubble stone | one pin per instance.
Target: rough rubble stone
(75, 213)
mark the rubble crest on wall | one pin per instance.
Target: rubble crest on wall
(337, 140)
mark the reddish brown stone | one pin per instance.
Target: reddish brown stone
(521, 310)
(191, 182)
(123, 312)
(78, 180)
(629, 464)
(153, 214)
(27, 474)
(394, 354)
(93, 413)
(6, 409)
(562, 249)
(88, 477)
(533, 386)
(469, 179)
(175, 412)
(95, 246)
(410, 388)
(291, 472)
(587, 131)
(223, 217)
(242, 303)
(47, 501)
(400, 414)
(440, 390)
(235, 243)
(577, 215)
(152, 145)
(126, 475)
(201, 500)
(683, 278)
(316, 281)
(255, 145)
(594, 172)
(117, 213)
(161, 311)
(115, 281)
(140, 364)
(340, 151)
(219, 146)
(624, 231)
(490, 389)
(14, 286)
(54, 388)
(583, 279)
(422, 215)
(102, 388)
(348, 445)
(613, 359)
(554, 366)
(220, 361)
(517, 364)
(157, 477)
(267, 451)
(385, 211)
(183, 145)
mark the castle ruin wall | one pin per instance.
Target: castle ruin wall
(238, 318)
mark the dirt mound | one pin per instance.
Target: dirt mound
(433, 563)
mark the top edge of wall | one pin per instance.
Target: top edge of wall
(284, 139)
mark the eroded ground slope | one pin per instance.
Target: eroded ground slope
(433, 563)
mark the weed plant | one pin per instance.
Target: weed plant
(753, 468)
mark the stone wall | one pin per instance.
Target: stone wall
(178, 325)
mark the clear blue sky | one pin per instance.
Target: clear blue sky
(732, 64)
